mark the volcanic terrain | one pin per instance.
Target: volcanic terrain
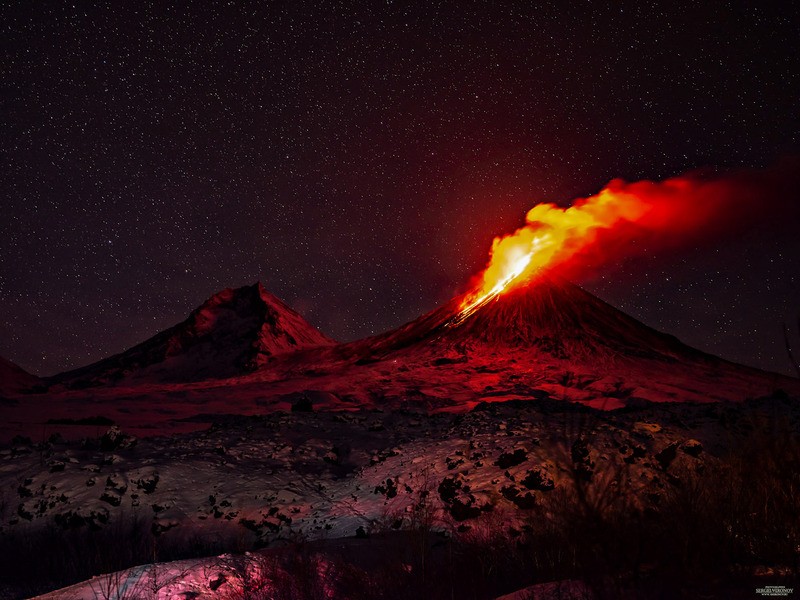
(245, 352)
(244, 427)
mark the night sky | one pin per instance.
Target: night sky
(359, 159)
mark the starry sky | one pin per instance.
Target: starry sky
(358, 158)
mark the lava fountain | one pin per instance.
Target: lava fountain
(551, 236)
(623, 219)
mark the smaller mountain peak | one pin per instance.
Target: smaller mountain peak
(252, 299)
(259, 287)
(234, 331)
(228, 293)
(261, 292)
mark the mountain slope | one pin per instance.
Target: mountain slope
(545, 338)
(235, 331)
(550, 315)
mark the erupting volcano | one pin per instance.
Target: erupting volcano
(551, 236)
(525, 269)
(521, 331)
(619, 221)
(478, 395)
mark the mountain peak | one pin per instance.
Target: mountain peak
(235, 331)
(252, 293)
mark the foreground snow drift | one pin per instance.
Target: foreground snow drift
(538, 471)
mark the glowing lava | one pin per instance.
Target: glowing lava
(626, 218)
(516, 268)
(551, 236)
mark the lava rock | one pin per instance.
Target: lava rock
(114, 439)
(113, 498)
(464, 507)
(449, 487)
(147, 483)
(524, 501)
(512, 459)
(538, 479)
(667, 455)
(215, 582)
(692, 448)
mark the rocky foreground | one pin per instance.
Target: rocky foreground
(511, 470)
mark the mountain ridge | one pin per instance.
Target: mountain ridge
(547, 341)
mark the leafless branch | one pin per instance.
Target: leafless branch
(795, 364)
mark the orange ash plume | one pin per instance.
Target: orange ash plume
(689, 208)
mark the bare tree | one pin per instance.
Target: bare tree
(795, 363)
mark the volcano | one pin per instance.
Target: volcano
(548, 315)
(235, 331)
(543, 338)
